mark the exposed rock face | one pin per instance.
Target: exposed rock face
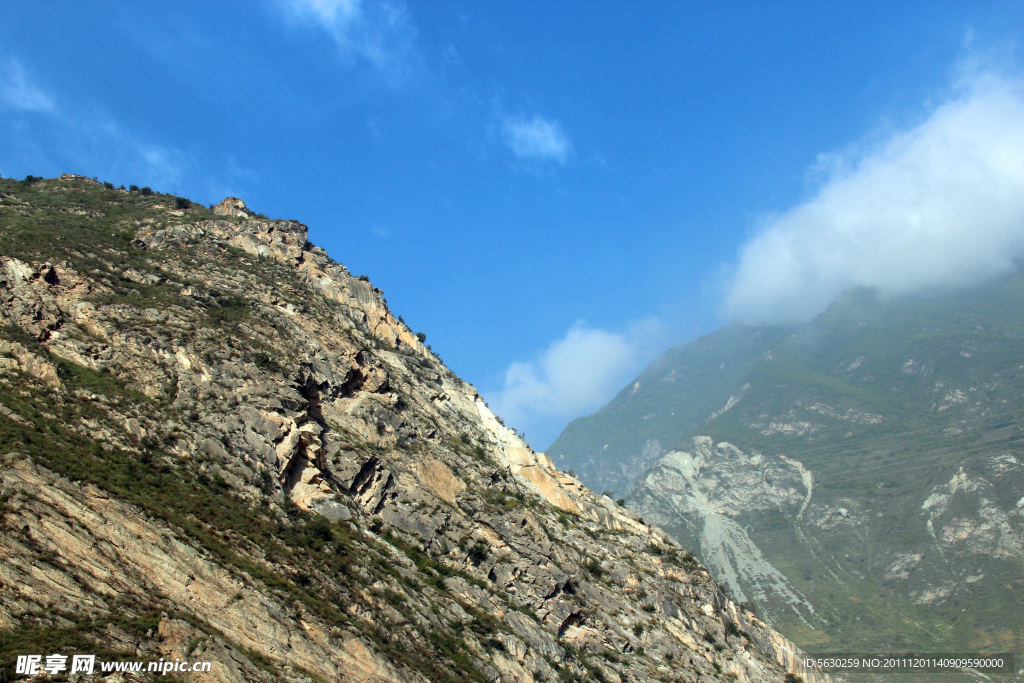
(232, 206)
(614, 447)
(711, 486)
(218, 444)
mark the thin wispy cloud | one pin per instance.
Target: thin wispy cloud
(574, 376)
(95, 140)
(536, 139)
(83, 138)
(939, 205)
(17, 91)
(380, 33)
(450, 55)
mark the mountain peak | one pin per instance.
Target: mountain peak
(232, 206)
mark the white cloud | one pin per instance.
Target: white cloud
(537, 138)
(18, 92)
(940, 205)
(575, 375)
(382, 33)
(330, 11)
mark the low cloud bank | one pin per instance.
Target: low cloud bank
(575, 375)
(940, 205)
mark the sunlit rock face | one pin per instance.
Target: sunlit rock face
(220, 445)
(714, 484)
(231, 206)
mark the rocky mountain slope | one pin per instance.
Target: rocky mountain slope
(860, 478)
(218, 444)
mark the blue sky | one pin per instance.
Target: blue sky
(556, 192)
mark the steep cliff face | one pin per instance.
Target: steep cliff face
(220, 445)
(707, 491)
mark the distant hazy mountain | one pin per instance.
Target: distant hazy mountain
(861, 477)
(613, 447)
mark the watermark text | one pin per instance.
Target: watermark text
(54, 665)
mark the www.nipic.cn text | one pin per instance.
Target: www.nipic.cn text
(33, 665)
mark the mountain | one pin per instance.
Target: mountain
(613, 447)
(217, 444)
(860, 478)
